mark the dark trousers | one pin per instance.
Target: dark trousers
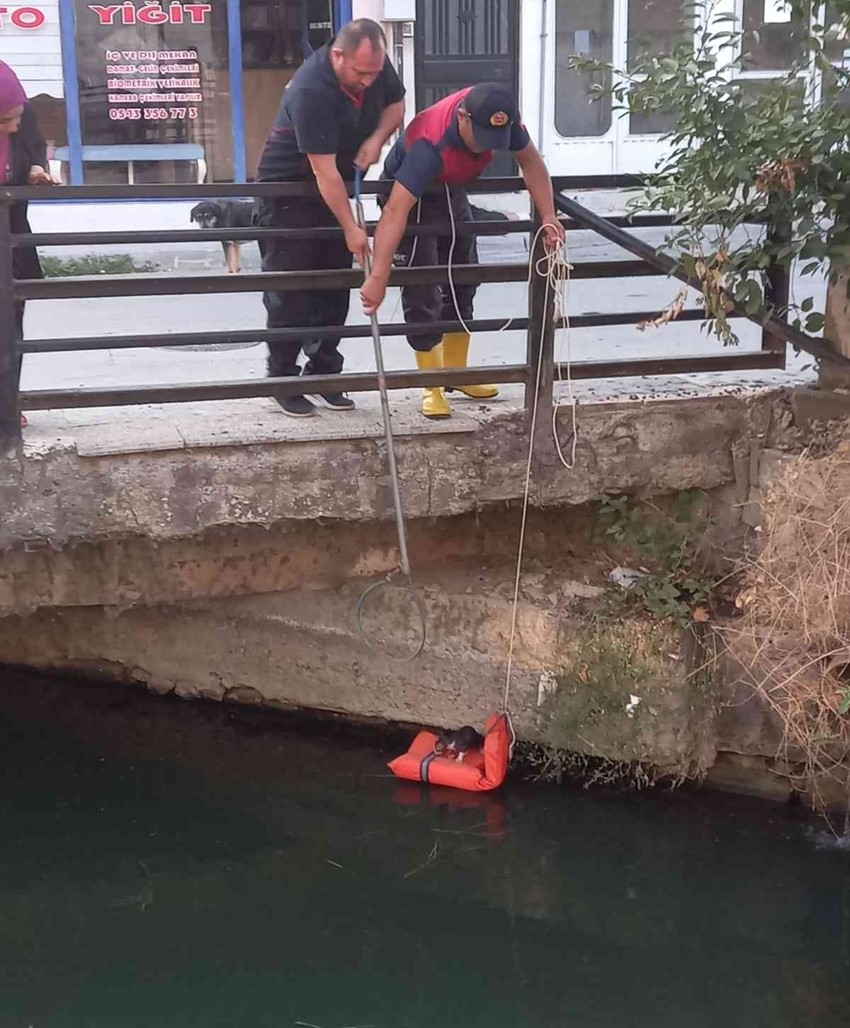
(435, 303)
(303, 308)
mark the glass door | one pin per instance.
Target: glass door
(580, 137)
(586, 136)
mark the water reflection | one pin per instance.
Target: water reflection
(168, 864)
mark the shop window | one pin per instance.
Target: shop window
(771, 36)
(836, 41)
(276, 37)
(52, 121)
(655, 27)
(272, 34)
(584, 28)
(754, 88)
(154, 85)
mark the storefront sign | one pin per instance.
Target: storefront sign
(154, 73)
(156, 84)
(152, 13)
(150, 63)
(21, 18)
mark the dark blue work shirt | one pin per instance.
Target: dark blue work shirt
(318, 116)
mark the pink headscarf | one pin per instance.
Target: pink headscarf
(12, 95)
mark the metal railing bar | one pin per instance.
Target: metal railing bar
(259, 335)
(46, 399)
(820, 348)
(92, 286)
(378, 187)
(757, 359)
(124, 396)
(215, 235)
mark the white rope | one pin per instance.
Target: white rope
(460, 318)
(554, 267)
(561, 277)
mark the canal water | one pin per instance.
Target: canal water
(168, 864)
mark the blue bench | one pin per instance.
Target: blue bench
(130, 153)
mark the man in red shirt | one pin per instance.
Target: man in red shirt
(449, 144)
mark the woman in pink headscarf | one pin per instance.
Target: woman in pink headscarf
(23, 162)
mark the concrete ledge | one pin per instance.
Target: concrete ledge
(53, 497)
(820, 405)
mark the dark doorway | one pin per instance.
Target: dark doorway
(461, 42)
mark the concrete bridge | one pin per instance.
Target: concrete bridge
(218, 550)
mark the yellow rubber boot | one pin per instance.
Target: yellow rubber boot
(434, 403)
(455, 354)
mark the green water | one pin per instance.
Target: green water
(181, 865)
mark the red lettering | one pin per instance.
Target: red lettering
(22, 17)
(152, 14)
(105, 15)
(28, 18)
(197, 12)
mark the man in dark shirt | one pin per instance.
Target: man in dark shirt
(337, 112)
(449, 144)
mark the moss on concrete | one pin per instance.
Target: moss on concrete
(634, 701)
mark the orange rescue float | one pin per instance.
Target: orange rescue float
(479, 771)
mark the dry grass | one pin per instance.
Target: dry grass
(795, 628)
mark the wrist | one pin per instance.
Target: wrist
(380, 272)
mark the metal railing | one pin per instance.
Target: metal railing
(538, 323)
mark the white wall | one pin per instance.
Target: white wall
(34, 54)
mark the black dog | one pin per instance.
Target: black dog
(225, 214)
(453, 744)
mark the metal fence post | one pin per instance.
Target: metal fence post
(540, 342)
(777, 292)
(10, 418)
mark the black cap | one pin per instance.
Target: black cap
(492, 112)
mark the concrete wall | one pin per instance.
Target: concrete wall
(54, 497)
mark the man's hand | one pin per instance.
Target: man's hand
(39, 177)
(368, 153)
(372, 294)
(358, 242)
(553, 234)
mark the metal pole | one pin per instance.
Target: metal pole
(777, 294)
(540, 337)
(385, 402)
(10, 417)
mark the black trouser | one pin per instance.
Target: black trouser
(435, 303)
(303, 308)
